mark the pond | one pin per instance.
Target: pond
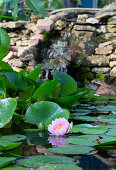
(90, 144)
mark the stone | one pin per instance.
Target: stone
(98, 60)
(35, 18)
(13, 35)
(102, 29)
(12, 49)
(84, 28)
(44, 25)
(18, 43)
(111, 28)
(54, 17)
(82, 18)
(103, 70)
(112, 20)
(59, 25)
(106, 90)
(21, 50)
(112, 64)
(102, 49)
(112, 57)
(31, 26)
(15, 62)
(113, 72)
(92, 21)
(107, 37)
(35, 39)
(12, 24)
(12, 42)
(106, 12)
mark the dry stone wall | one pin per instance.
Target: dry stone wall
(93, 32)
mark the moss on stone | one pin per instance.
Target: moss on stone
(85, 69)
(88, 76)
(100, 77)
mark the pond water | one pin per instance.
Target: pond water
(83, 152)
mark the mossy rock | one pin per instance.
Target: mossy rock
(88, 76)
(85, 69)
(100, 77)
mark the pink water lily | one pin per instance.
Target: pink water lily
(59, 127)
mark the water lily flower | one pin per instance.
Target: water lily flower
(59, 127)
(57, 140)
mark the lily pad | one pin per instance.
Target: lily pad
(39, 160)
(45, 112)
(4, 161)
(12, 138)
(71, 149)
(89, 129)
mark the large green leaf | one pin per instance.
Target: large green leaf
(68, 84)
(27, 93)
(45, 112)
(89, 129)
(5, 66)
(45, 90)
(16, 168)
(70, 149)
(14, 81)
(4, 161)
(36, 5)
(34, 74)
(7, 108)
(4, 43)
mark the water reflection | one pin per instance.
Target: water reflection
(58, 140)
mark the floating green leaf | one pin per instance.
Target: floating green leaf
(12, 138)
(8, 145)
(45, 112)
(71, 149)
(89, 129)
(39, 160)
(4, 161)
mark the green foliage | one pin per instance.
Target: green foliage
(4, 161)
(7, 108)
(4, 43)
(45, 112)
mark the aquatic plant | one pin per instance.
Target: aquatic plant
(59, 127)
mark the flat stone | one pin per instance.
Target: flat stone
(103, 70)
(16, 62)
(113, 72)
(92, 21)
(107, 37)
(112, 64)
(112, 57)
(44, 25)
(84, 28)
(106, 12)
(13, 24)
(111, 20)
(98, 60)
(82, 18)
(111, 28)
(54, 17)
(102, 49)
